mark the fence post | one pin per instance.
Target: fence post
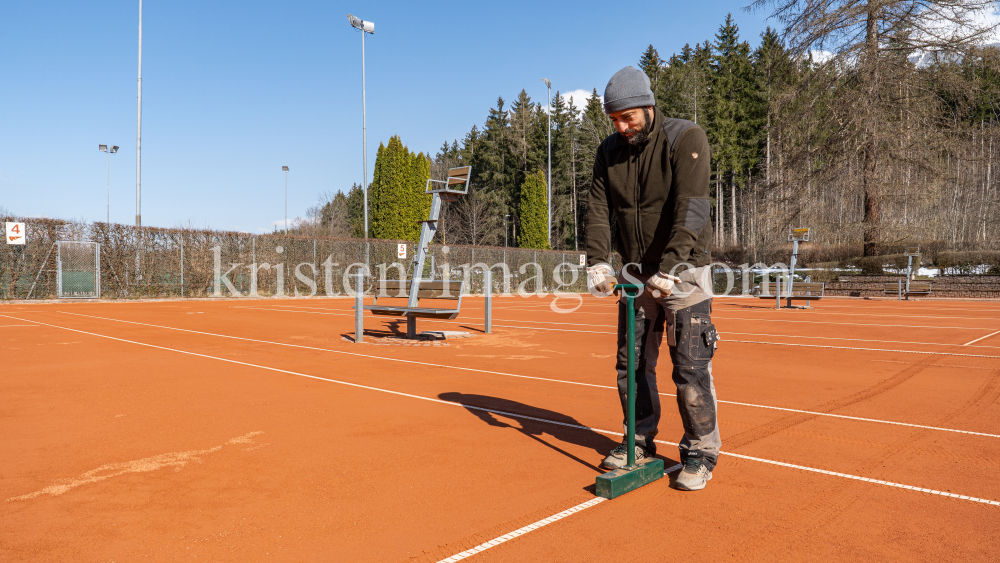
(359, 303)
(182, 268)
(97, 265)
(488, 278)
(777, 288)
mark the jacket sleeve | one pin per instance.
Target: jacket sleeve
(692, 169)
(599, 214)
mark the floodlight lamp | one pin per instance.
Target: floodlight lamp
(361, 24)
(547, 83)
(284, 169)
(114, 150)
(102, 148)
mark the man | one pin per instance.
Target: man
(652, 176)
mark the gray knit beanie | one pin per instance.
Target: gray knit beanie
(628, 88)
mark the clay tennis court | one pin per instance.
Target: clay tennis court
(253, 430)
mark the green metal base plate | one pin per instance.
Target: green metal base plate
(620, 481)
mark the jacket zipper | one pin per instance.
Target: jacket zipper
(638, 226)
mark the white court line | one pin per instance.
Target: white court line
(862, 339)
(845, 324)
(983, 338)
(815, 413)
(613, 326)
(866, 314)
(716, 317)
(6, 326)
(521, 531)
(329, 312)
(514, 415)
(865, 349)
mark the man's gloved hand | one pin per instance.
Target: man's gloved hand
(601, 280)
(662, 285)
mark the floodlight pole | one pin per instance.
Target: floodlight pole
(364, 131)
(505, 230)
(138, 134)
(285, 170)
(108, 220)
(364, 27)
(548, 84)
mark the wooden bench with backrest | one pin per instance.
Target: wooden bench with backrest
(916, 288)
(808, 291)
(450, 291)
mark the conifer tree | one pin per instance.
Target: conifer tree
(395, 200)
(532, 232)
(653, 66)
(420, 201)
(734, 146)
(356, 211)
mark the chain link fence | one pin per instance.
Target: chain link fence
(164, 263)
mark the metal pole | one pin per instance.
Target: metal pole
(791, 272)
(359, 303)
(550, 166)
(182, 268)
(630, 330)
(488, 275)
(138, 135)
(364, 133)
(97, 265)
(909, 274)
(286, 203)
(108, 220)
(777, 287)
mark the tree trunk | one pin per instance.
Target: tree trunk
(872, 200)
(732, 204)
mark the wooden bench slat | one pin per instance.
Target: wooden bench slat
(420, 312)
(916, 288)
(428, 289)
(800, 290)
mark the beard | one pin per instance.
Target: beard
(637, 137)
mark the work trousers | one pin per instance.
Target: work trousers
(691, 339)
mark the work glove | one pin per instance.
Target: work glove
(601, 280)
(662, 285)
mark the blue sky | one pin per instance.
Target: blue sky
(234, 90)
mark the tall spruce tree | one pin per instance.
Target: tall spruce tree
(533, 231)
(651, 63)
(730, 131)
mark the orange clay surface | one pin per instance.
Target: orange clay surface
(231, 431)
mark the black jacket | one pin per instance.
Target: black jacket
(660, 195)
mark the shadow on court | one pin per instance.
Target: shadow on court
(481, 405)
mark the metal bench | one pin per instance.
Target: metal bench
(807, 291)
(901, 288)
(426, 290)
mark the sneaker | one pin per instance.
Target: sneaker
(618, 458)
(694, 476)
